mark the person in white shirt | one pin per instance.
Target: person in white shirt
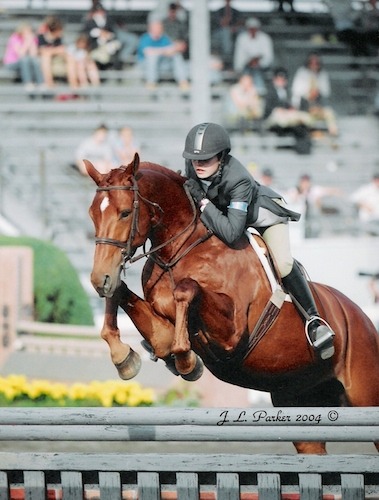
(98, 148)
(311, 92)
(254, 53)
(366, 199)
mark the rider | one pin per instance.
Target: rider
(230, 200)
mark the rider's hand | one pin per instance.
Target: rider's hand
(196, 192)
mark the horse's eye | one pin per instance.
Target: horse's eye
(124, 214)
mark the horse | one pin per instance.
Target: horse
(209, 304)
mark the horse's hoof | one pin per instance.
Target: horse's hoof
(130, 367)
(196, 372)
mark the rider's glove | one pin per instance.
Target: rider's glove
(195, 190)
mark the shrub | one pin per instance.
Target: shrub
(59, 297)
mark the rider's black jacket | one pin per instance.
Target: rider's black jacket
(235, 198)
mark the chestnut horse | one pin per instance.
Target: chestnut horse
(204, 300)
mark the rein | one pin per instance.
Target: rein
(127, 247)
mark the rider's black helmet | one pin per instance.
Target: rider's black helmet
(206, 140)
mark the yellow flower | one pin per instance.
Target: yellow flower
(9, 393)
(79, 391)
(106, 393)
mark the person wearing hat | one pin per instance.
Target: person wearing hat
(254, 52)
(231, 200)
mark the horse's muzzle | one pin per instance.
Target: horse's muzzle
(107, 287)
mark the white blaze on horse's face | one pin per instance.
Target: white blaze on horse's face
(104, 204)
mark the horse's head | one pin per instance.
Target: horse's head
(121, 222)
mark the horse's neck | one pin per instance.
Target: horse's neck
(178, 224)
(175, 239)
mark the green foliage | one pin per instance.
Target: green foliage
(181, 395)
(59, 296)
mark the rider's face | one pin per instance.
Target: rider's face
(206, 168)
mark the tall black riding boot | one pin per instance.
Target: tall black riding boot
(319, 332)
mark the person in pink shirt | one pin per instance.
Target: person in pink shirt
(21, 55)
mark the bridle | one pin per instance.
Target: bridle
(127, 250)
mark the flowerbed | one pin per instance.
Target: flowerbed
(16, 390)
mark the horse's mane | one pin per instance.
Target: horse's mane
(117, 174)
(175, 176)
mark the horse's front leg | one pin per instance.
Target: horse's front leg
(200, 306)
(127, 361)
(201, 309)
(159, 332)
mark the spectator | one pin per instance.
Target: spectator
(85, 68)
(282, 118)
(97, 148)
(100, 29)
(306, 198)
(157, 55)
(225, 25)
(106, 52)
(281, 4)
(374, 288)
(366, 199)
(162, 8)
(369, 24)
(254, 53)
(53, 53)
(126, 146)
(243, 105)
(176, 29)
(216, 67)
(21, 55)
(345, 20)
(311, 92)
(266, 177)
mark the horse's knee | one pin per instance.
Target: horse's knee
(186, 290)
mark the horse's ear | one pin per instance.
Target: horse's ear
(92, 172)
(135, 164)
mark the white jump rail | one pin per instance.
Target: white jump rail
(188, 476)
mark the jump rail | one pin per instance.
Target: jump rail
(189, 476)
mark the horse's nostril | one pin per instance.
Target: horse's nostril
(107, 283)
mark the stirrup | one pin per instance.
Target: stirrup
(324, 335)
